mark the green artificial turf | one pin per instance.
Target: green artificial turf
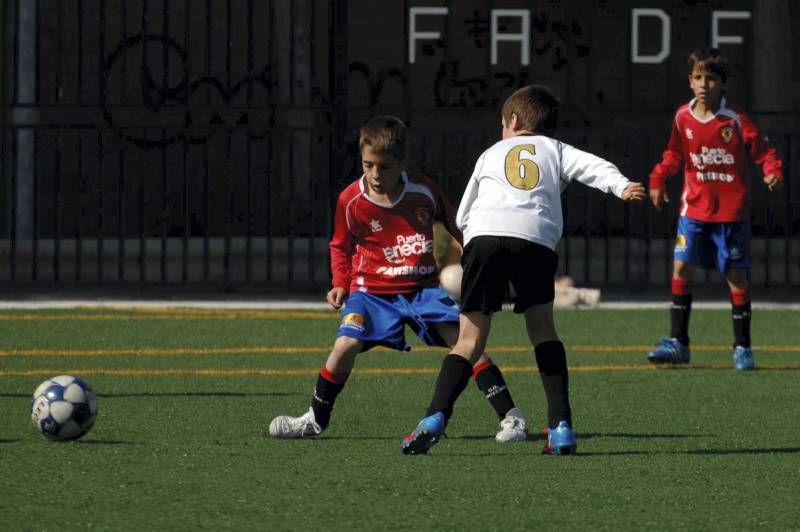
(184, 397)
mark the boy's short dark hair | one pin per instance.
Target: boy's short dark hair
(384, 134)
(536, 108)
(710, 59)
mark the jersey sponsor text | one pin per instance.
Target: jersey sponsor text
(711, 156)
(397, 271)
(407, 246)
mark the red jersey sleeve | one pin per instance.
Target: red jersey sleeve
(761, 150)
(342, 245)
(671, 161)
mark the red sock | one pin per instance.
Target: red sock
(680, 287)
(740, 297)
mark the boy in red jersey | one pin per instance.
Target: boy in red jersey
(385, 277)
(714, 143)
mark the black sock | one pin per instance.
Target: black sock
(741, 324)
(453, 378)
(552, 361)
(325, 394)
(490, 381)
(679, 317)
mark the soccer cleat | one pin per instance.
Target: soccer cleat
(670, 351)
(513, 427)
(429, 431)
(743, 358)
(561, 440)
(290, 428)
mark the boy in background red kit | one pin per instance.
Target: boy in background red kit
(385, 277)
(714, 143)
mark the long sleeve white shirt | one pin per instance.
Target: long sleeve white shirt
(515, 189)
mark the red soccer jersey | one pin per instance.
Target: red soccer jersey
(715, 154)
(389, 250)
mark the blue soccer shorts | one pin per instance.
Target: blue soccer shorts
(721, 245)
(381, 319)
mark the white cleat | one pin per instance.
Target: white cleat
(290, 428)
(513, 427)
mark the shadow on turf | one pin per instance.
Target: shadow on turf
(106, 442)
(197, 394)
(176, 394)
(757, 450)
(590, 435)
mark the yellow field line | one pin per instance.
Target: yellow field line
(695, 347)
(284, 350)
(310, 372)
(132, 315)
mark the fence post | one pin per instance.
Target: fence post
(27, 35)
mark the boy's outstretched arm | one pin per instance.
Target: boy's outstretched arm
(633, 192)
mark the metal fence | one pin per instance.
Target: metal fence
(201, 146)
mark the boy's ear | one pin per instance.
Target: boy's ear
(512, 124)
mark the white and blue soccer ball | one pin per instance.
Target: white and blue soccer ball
(63, 408)
(450, 280)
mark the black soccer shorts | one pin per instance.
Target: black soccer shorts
(490, 263)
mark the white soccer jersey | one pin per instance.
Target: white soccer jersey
(516, 188)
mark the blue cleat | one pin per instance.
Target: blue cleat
(743, 358)
(429, 431)
(561, 440)
(670, 351)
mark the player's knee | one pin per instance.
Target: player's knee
(346, 346)
(682, 270)
(541, 330)
(470, 348)
(737, 279)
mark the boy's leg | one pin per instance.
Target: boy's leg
(733, 258)
(333, 376)
(330, 382)
(552, 361)
(487, 375)
(551, 358)
(453, 378)
(492, 384)
(457, 366)
(740, 315)
(740, 306)
(674, 349)
(693, 246)
(681, 308)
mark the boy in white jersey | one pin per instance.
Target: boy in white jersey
(512, 221)
(384, 277)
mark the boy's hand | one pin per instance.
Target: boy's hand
(773, 182)
(336, 296)
(658, 196)
(633, 192)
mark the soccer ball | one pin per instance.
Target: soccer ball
(63, 408)
(450, 279)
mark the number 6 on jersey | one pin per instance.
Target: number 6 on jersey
(522, 173)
